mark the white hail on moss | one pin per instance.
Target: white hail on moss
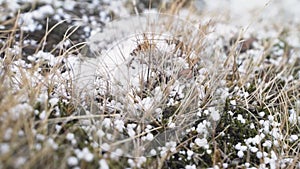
(43, 115)
(38, 146)
(20, 161)
(241, 147)
(72, 161)
(261, 114)
(103, 164)
(119, 125)
(116, 154)
(7, 134)
(253, 149)
(190, 166)
(153, 152)
(214, 114)
(201, 142)
(130, 130)
(171, 125)
(293, 138)
(233, 102)
(4, 148)
(259, 154)
(137, 162)
(240, 154)
(52, 143)
(189, 154)
(171, 145)
(100, 133)
(202, 128)
(149, 136)
(53, 101)
(107, 123)
(241, 119)
(267, 143)
(293, 117)
(40, 137)
(58, 127)
(84, 154)
(70, 136)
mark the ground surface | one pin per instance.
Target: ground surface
(203, 84)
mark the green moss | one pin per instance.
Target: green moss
(251, 88)
(233, 130)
